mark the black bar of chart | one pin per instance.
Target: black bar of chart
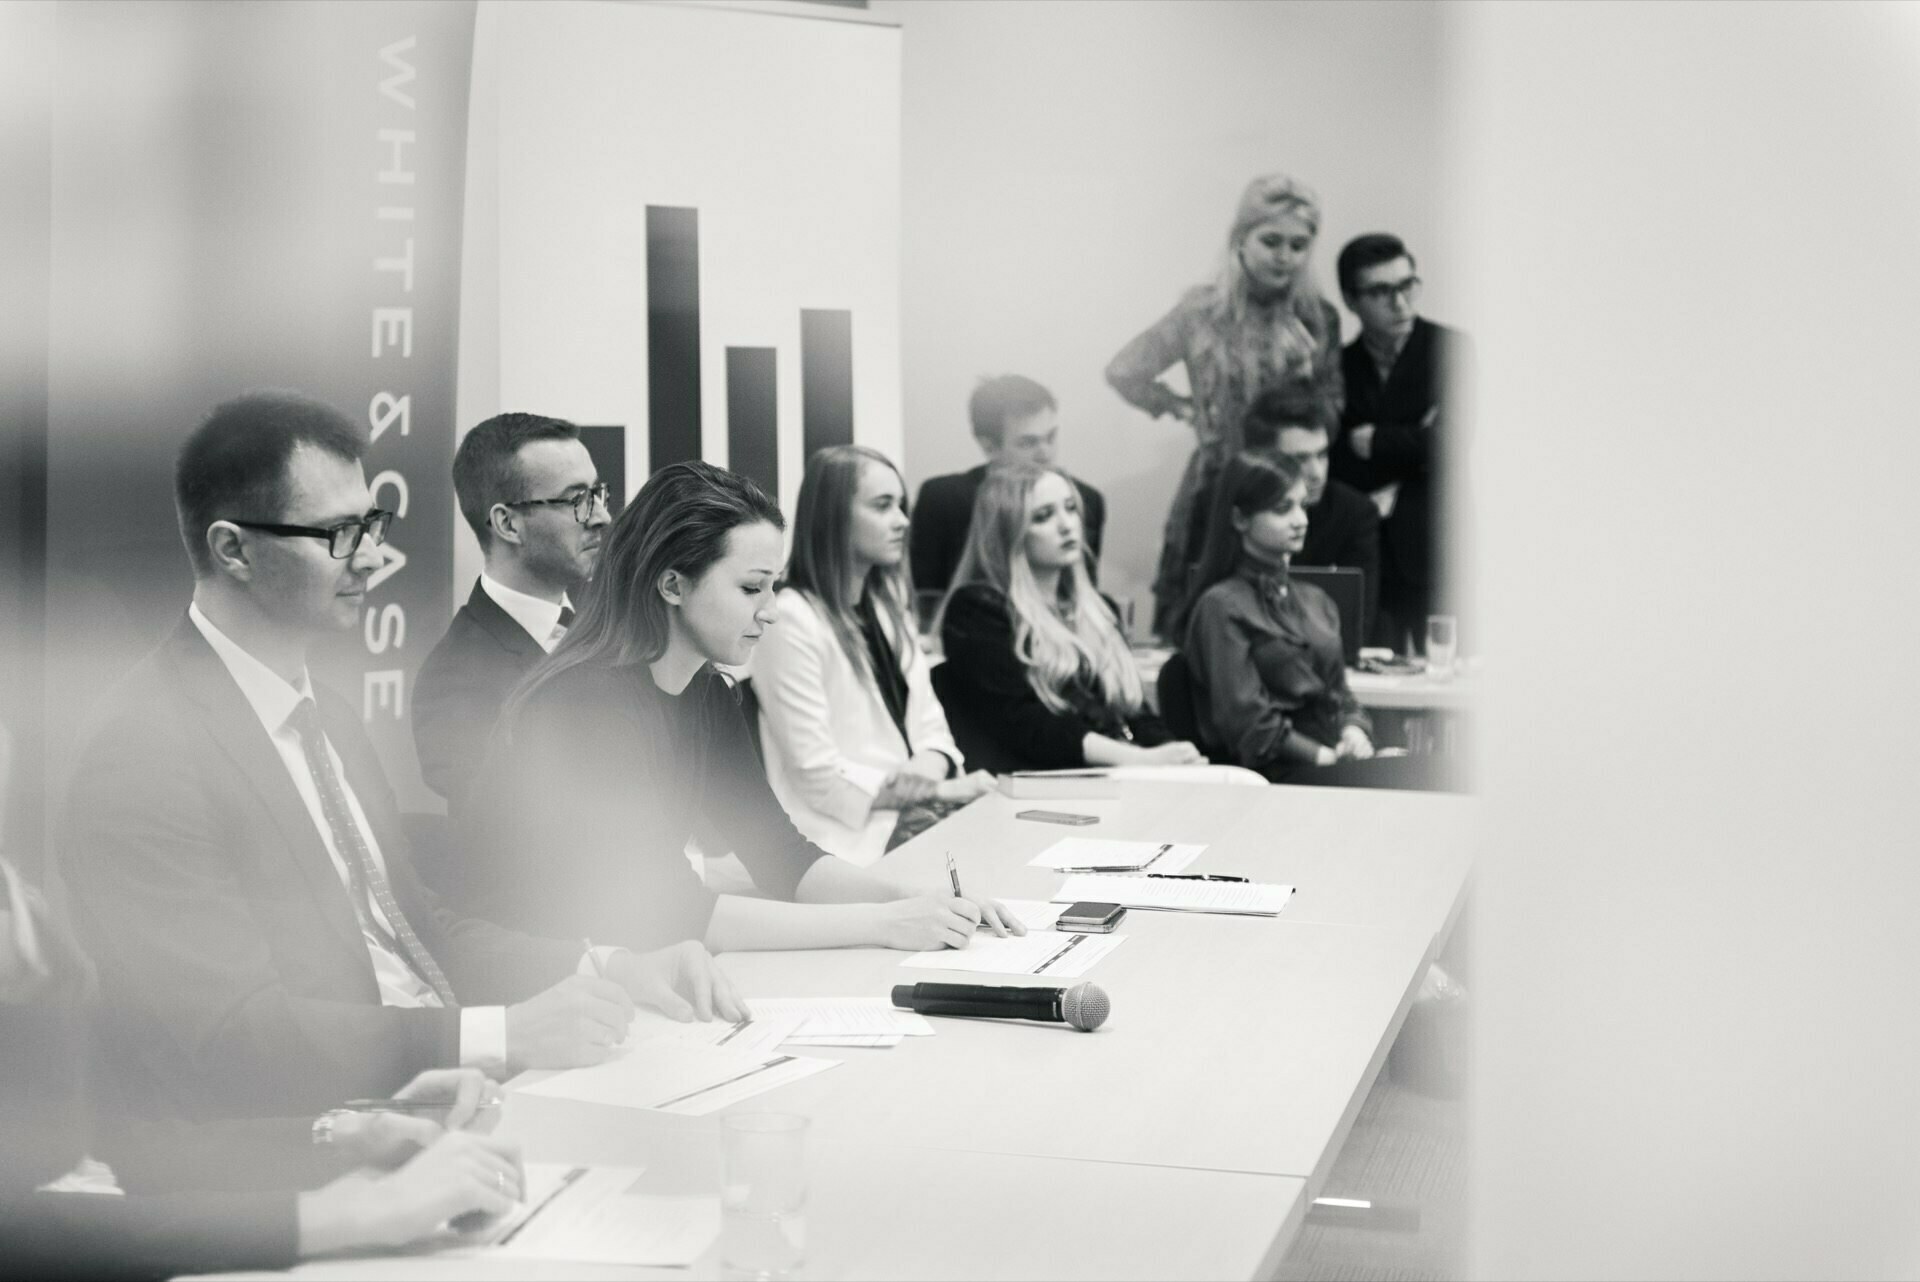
(673, 335)
(826, 378)
(607, 447)
(753, 436)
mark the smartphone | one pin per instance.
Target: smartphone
(1057, 817)
(1096, 919)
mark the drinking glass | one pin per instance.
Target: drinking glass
(1442, 639)
(763, 1194)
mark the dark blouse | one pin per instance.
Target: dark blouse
(1266, 660)
(885, 664)
(998, 720)
(580, 817)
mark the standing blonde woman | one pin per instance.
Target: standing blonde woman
(1037, 674)
(1261, 325)
(853, 736)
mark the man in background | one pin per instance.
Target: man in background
(529, 490)
(1015, 420)
(1398, 415)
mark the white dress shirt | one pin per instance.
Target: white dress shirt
(483, 1029)
(540, 618)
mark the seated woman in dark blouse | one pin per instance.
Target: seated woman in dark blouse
(1037, 674)
(1269, 679)
(625, 740)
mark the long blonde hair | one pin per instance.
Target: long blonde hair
(1055, 640)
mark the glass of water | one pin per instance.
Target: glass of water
(763, 1194)
(1442, 642)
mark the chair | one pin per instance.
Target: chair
(1174, 687)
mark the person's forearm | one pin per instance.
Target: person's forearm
(1298, 749)
(1101, 750)
(835, 881)
(335, 1218)
(745, 925)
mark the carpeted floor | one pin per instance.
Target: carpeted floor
(1409, 1149)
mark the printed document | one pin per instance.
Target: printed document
(842, 1021)
(1040, 952)
(679, 1077)
(1243, 898)
(592, 1215)
(1089, 854)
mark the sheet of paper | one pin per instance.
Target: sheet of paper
(1247, 898)
(1040, 952)
(764, 1032)
(678, 1077)
(592, 1215)
(842, 1021)
(1034, 914)
(1083, 853)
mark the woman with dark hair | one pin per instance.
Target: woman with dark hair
(1037, 674)
(1261, 324)
(857, 747)
(1269, 675)
(625, 740)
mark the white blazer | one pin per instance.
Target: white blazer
(824, 729)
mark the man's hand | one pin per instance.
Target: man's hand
(683, 982)
(472, 1099)
(459, 1173)
(577, 1021)
(1360, 440)
(382, 1140)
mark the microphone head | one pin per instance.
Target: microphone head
(1085, 1006)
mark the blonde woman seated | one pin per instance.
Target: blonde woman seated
(1037, 674)
(1269, 678)
(854, 739)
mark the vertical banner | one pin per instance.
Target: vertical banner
(251, 196)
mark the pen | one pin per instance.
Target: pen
(1124, 867)
(1191, 876)
(593, 961)
(953, 875)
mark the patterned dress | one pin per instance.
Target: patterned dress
(1276, 342)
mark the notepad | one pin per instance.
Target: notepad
(593, 1215)
(842, 1021)
(1083, 853)
(674, 1076)
(1243, 898)
(763, 1032)
(1040, 952)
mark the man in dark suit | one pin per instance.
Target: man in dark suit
(530, 491)
(1015, 420)
(1397, 419)
(236, 859)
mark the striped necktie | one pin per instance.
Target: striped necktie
(363, 874)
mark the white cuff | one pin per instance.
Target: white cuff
(483, 1036)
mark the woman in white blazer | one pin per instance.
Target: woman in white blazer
(850, 727)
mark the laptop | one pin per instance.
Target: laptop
(1348, 588)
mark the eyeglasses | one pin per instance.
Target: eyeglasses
(343, 540)
(1407, 290)
(582, 502)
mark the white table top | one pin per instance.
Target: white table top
(1182, 1139)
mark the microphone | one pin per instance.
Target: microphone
(1085, 1006)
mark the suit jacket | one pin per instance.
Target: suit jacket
(827, 737)
(1404, 451)
(1343, 529)
(461, 688)
(943, 513)
(233, 971)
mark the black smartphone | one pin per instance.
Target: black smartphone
(1091, 918)
(1057, 817)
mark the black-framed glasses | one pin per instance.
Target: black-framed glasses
(1407, 290)
(581, 501)
(343, 540)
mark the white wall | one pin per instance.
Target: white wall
(1688, 232)
(1071, 167)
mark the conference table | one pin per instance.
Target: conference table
(1185, 1138)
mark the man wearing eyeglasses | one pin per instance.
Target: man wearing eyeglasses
(530, 492)
(237, 860)
(1394, 425)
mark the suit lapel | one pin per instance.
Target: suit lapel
(499, 625)
(245, 743)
